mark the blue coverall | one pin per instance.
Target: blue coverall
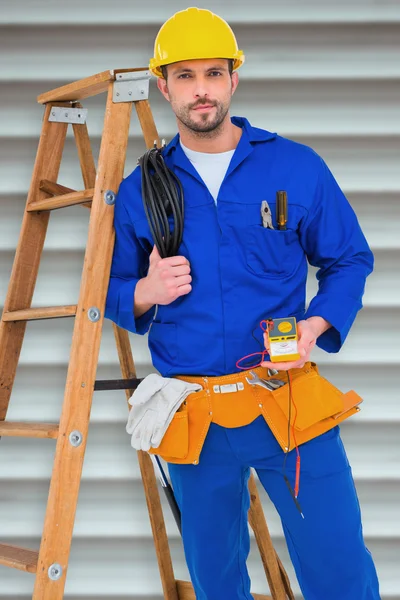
(243, 273)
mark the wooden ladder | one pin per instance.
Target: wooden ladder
(62, 107)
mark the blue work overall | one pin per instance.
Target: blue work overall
(243, 273)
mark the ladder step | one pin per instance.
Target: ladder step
(185, 592)
(78, 90)
(46, 312)
(56, 189)
(29, 430)
(53, 188)
(84, 88)
(18, 558)
(62, 201)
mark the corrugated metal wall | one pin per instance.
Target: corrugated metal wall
(322, 72)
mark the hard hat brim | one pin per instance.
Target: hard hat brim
(154, 65)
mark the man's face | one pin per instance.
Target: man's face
(200, 92)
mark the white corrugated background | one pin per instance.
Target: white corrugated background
(322, 72)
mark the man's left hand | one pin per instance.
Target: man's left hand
(308, 331)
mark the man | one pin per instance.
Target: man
(230, 274)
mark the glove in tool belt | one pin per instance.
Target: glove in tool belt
(231, 401)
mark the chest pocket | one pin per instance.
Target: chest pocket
(272, 253)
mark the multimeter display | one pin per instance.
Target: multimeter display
(283, 340)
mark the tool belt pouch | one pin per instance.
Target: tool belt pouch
(317, 406)
(184, 438)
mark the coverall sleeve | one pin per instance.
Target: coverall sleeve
(129, 264)
(334, 242)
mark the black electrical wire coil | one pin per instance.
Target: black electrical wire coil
(162, 196)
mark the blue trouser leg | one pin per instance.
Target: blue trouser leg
(213, 498)
(326, 547)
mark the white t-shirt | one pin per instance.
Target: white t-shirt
(211, 167)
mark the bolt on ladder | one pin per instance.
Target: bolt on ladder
(124, 87)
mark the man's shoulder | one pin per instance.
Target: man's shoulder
(289, 159)
(132, 181)
(285, 149)
(298, 151)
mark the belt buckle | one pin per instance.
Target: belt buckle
(228, 387)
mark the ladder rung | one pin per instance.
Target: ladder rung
(53, 188)
(62, 201)
(56, 189)
(185, 592)
(46, 312)
(29, 430)
(18, 558)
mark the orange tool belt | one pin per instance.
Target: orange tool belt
(231, 401)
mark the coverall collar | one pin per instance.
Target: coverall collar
(250, 135)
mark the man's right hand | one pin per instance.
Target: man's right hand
(166, 280)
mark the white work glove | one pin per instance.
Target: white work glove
(154, 403)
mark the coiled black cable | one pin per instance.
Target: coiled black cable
(162, 196)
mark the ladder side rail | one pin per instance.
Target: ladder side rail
(65, 481)
(268, 554)
(153, 501)
(163, 552)
(85, 155)
(28, 253)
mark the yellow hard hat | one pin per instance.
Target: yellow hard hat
(191, 34)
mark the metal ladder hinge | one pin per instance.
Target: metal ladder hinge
(130, 87)
(76, 116)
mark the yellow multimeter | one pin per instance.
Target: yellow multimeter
(282, 336)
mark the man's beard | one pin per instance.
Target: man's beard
(206, 125)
